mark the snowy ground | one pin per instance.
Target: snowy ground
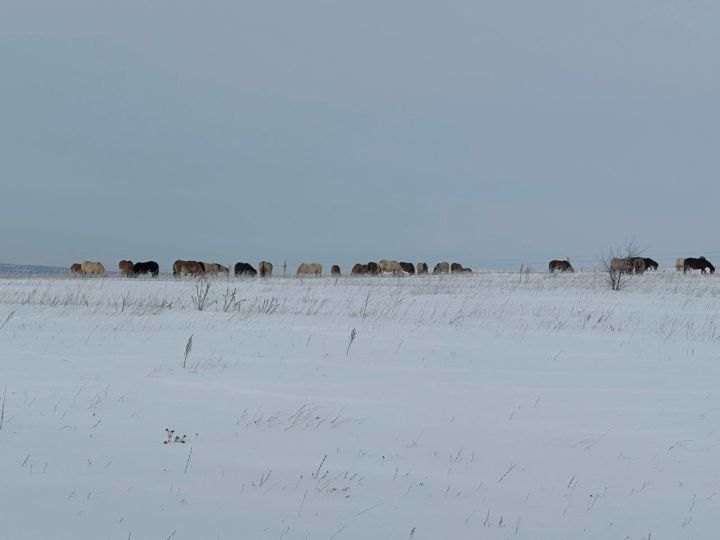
(485, 406)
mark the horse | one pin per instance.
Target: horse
(457, 268)
(310, 269)
(76, 268)
(127, 268)
(265, 268)
(441, 268)
(90, 268)
(244, 269)
(389, 266)
(560, 266)
(628, 265)
(216, 268)
(149, 267)
(619, 265)
(649, 263)
(335, 270)
(408, 267)
(359, 269)
(190, 268)
(701, 263)
(373, 268)
(637, 264)
(422, 268)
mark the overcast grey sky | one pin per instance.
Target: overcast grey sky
(483, 132)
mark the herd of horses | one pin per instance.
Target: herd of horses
(265, 268)
(636, 265)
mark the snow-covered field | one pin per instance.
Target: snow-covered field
(485, 406)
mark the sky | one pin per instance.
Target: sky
(490, 133)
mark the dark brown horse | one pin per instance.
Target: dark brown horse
(408, 267)
(126, 268)
(649, 263)
(560, 266)
(335, 270)
(373, 268)
(701, 263)
(359, 269)
(457, 268)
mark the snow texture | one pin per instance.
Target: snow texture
(491, 405)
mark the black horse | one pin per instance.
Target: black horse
(244, 269)
(649, 263)
(149, 267)
(560, 266)
(701, 263)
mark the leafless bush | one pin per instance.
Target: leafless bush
(200, 297)
(268, 306)
(525, 273)
(365, 305)
(188, 348)
(124, 301)
(229, 298)
(615, 265)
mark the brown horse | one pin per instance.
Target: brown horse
(408, 267)
(335, 270)
(127, 268)
(373, 268)
(76, 268)
(560, 266)
(701, 263)
(188, 268)
(359, 269)
(422, 268)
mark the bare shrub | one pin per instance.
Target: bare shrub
(616, 266)
(200, 297)
(268, 306)
(188, 348)
(229, 298)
